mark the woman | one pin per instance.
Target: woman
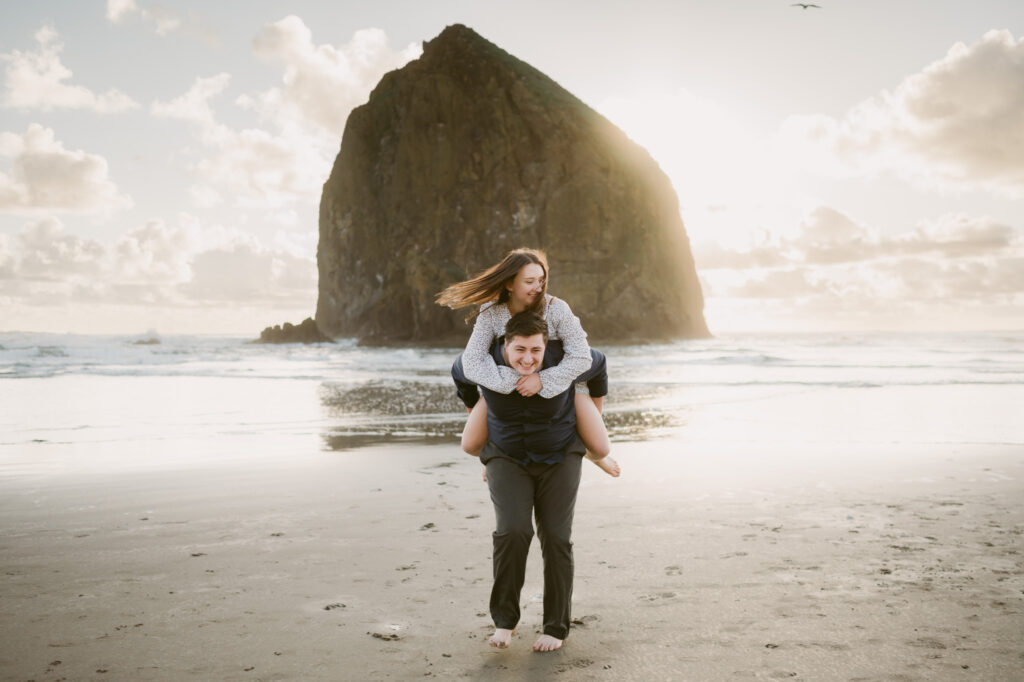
(518, 283)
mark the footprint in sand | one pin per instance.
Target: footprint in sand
(657, 597)
(389, 632)
(577, 664)
(926, 643)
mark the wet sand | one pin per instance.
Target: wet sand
(858, 563)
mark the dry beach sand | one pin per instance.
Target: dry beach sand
(745, 563)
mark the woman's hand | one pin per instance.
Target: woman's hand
(529, 385)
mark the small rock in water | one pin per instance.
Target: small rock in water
(306, 332)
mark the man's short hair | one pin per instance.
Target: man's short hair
(526, 323)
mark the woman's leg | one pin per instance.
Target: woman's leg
(590, 425)
(474, 436)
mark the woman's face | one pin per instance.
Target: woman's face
(526, 287)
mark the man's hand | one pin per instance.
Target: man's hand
(529, 385)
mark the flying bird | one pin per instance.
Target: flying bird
(804, 5)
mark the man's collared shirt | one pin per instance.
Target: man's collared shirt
(533, 429)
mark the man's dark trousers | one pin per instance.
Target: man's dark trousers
(521, 489)
(549, 491)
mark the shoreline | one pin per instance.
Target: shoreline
(375, 564)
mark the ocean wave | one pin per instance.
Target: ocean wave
(50, 352)
(847, 384)
(798, 360)
(745, 360)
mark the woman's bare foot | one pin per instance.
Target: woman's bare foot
(502, 638)
(547, 643)
(607, 464)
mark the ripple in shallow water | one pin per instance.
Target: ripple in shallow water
(641, 424)
(429, 413)
(389, 398)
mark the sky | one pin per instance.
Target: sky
(853, 167)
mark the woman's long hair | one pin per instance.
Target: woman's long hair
(489, 285)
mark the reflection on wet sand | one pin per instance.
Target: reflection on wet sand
(423, 412)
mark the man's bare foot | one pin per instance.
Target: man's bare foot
(501, 638)
(607, 464)
(547, 643)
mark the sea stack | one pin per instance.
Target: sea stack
(468, 152)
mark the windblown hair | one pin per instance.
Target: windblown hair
(489, 285)
(526, 323)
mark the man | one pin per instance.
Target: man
(533, 460)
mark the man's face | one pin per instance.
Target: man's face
(525, 354)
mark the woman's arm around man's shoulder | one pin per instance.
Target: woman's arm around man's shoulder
(477, 363)
(564, 325)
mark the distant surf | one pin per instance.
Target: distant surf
(378, 394)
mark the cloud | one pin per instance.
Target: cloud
(258, 169)
(263, 170)
(958, 236)
(923, 278)
(36, 81)
(47, 254)
(247, 273)
(185, 263)
(956, 123)
(47, 177)
(162, 19)
(713, 256)
(288, 160)
(194, 105)
(776, 284)
(204, 196)
(119, 10)
(836, 272)
(828, 237)
(156, 253)
(8, 262)
(322, 83)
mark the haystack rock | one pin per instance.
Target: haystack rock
(468, 152)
